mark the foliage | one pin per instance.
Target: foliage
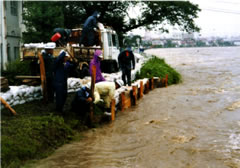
(156, 67)
(38, 130)
(41, 17)
(25, 138)
(14, 68)
(132, 41)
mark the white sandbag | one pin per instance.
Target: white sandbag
(22, 101)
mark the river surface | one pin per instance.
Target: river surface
(195, 124)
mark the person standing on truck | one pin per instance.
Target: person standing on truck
(96, 61)
(89, 28)
(62, 67)
(65, 34)
(126, 62)
(47, 54)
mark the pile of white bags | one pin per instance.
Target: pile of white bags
(22, 94)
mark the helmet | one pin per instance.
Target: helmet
(50, 45)
(119, 82)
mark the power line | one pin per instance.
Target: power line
(222, 11)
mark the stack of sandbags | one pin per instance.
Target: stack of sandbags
(4, 84)
(21, 94)
(74, 84)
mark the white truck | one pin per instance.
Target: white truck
(106, 40)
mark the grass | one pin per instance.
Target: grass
(38, 130)
(156, 67)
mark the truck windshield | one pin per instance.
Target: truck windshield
(115, 40)
(109, 39)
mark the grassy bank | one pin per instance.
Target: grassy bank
(156, 67)
(38, 130)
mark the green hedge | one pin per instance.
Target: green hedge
(27, 138)
(16, 67)
(156, 67)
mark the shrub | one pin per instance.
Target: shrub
(156, 67)
(25, 138)
(16, 67)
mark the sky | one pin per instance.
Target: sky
(217, 18)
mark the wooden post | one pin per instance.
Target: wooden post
(8, 106)
(43, 77)
(152, 84)
(134, 94)
(113, 109)
(166, 80)
(141, 89)
(146, 88)
(122, 101)
(93, 79)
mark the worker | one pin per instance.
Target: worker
(89, 28)
(96, 61)
(47, 54)
(104, 92)
(65, 35)
(81, 102)
(62, 67)
(126, 61)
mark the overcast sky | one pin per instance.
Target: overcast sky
(217, 18)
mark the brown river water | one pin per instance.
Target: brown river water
(195, 124)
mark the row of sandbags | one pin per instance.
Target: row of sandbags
(22, 94)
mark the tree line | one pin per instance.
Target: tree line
(40, 18)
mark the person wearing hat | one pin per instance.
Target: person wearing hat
(65, 34)
(96, 61)
(47, 54)
(88, 33)
(104, 91)
(81, 102)
(126, 62)
(62, 68)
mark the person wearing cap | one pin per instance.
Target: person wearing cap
(47, 54)
(81, 102)
(126, 62)
(65, 34)
(104, 91)
(62, 68)
(96, 61)
(89, 28)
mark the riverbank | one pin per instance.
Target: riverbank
(38, 130)
(193, 124)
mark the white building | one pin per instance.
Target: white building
(10, 31)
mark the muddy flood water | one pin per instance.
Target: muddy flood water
(195, 124)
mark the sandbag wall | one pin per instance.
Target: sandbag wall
(22, 94)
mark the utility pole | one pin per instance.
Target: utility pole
(4, 35)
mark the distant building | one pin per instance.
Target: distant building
(10, 31)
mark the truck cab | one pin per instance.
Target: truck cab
(106, 40)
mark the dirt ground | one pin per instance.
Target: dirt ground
(195, 124)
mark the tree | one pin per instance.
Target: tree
(40, 18)
(115, 14)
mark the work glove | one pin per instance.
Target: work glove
(101, 100)
(62, 52)
(43, 52)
